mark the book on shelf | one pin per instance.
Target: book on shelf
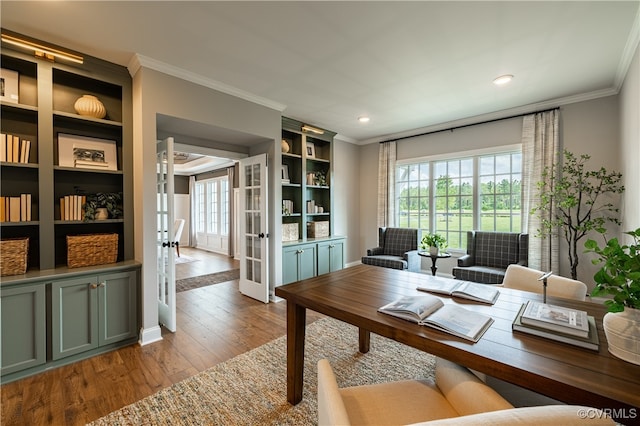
(590, 342)
(556, 318)
(3, 147)
(25, 150)
(14, 209)
(15, 157)
(484, 293)
(430, 311)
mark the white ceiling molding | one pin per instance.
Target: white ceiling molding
(138, 61)
(629, 51)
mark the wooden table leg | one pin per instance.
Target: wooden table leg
(296, 321)
(364, 340)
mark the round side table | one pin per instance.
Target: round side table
(434, 258)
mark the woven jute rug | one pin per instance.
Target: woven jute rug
(251, 388)
(205, 280)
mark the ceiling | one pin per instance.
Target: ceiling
(409, 66)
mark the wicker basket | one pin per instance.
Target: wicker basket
(13, 256)
(91, 249)
(290, 232)
(318, 229)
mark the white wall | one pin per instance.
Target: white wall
(346, 198)
(630, 145)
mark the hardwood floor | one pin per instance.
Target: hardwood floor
(215, 324)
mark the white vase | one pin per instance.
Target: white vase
(623, 334)
(90, 106)
(433, 250)
(101, 213)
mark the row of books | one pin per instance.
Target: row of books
(13, 149)
(71, 207)
(15, 209)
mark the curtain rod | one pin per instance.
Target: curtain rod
(451, 129)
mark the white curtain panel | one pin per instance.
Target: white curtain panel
(232, 213)
(386, 184)
(192, 219)
(540, 149)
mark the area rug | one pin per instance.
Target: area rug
(250, 389)
(205, 280)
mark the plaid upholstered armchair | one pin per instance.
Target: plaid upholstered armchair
(489, 254)
(397, 249)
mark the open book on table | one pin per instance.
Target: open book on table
(431, 311)
(467, 290)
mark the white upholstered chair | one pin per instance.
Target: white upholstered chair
(178, 226)
(524, 278)
(456, 397)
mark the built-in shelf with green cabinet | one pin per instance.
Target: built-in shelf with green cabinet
(43, 114)
(307, 201)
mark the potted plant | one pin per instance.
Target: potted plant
(619, 277)
(112, 201)
(571, 202)
(434, 242)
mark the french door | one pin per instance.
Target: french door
(254, 251)
(165, 246)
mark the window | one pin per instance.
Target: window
(212, 206)
(451, 196)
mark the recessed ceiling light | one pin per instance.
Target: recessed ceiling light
(363, 119)
(503, 79)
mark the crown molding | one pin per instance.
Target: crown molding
(140, 61)
(628, 53)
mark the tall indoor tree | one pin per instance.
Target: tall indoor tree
(575, 201)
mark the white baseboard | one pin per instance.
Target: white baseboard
(150, 335)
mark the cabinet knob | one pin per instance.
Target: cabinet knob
(332, 245)
(102, 284)
(94, 286)
(300, 251)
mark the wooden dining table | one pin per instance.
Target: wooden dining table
(561, 371)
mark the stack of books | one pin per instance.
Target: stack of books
(558, 323)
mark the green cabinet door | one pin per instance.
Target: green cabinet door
(74, 312)
(23, 327)
(116, 307)
(330, 256)
(299, 262)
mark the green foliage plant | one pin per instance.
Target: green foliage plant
(570, 202)
(112, 201)
(619, 275)
(433, 240)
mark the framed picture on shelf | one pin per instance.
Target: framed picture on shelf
(311, 150)
(285, 174)
(9, 86)
(83, 152)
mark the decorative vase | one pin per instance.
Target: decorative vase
(623, 334)
(90, 106)
(433, 250)
(285, 146)
(102, 213)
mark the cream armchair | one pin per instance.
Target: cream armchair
(456, 398)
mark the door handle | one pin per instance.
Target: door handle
(261, 235)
